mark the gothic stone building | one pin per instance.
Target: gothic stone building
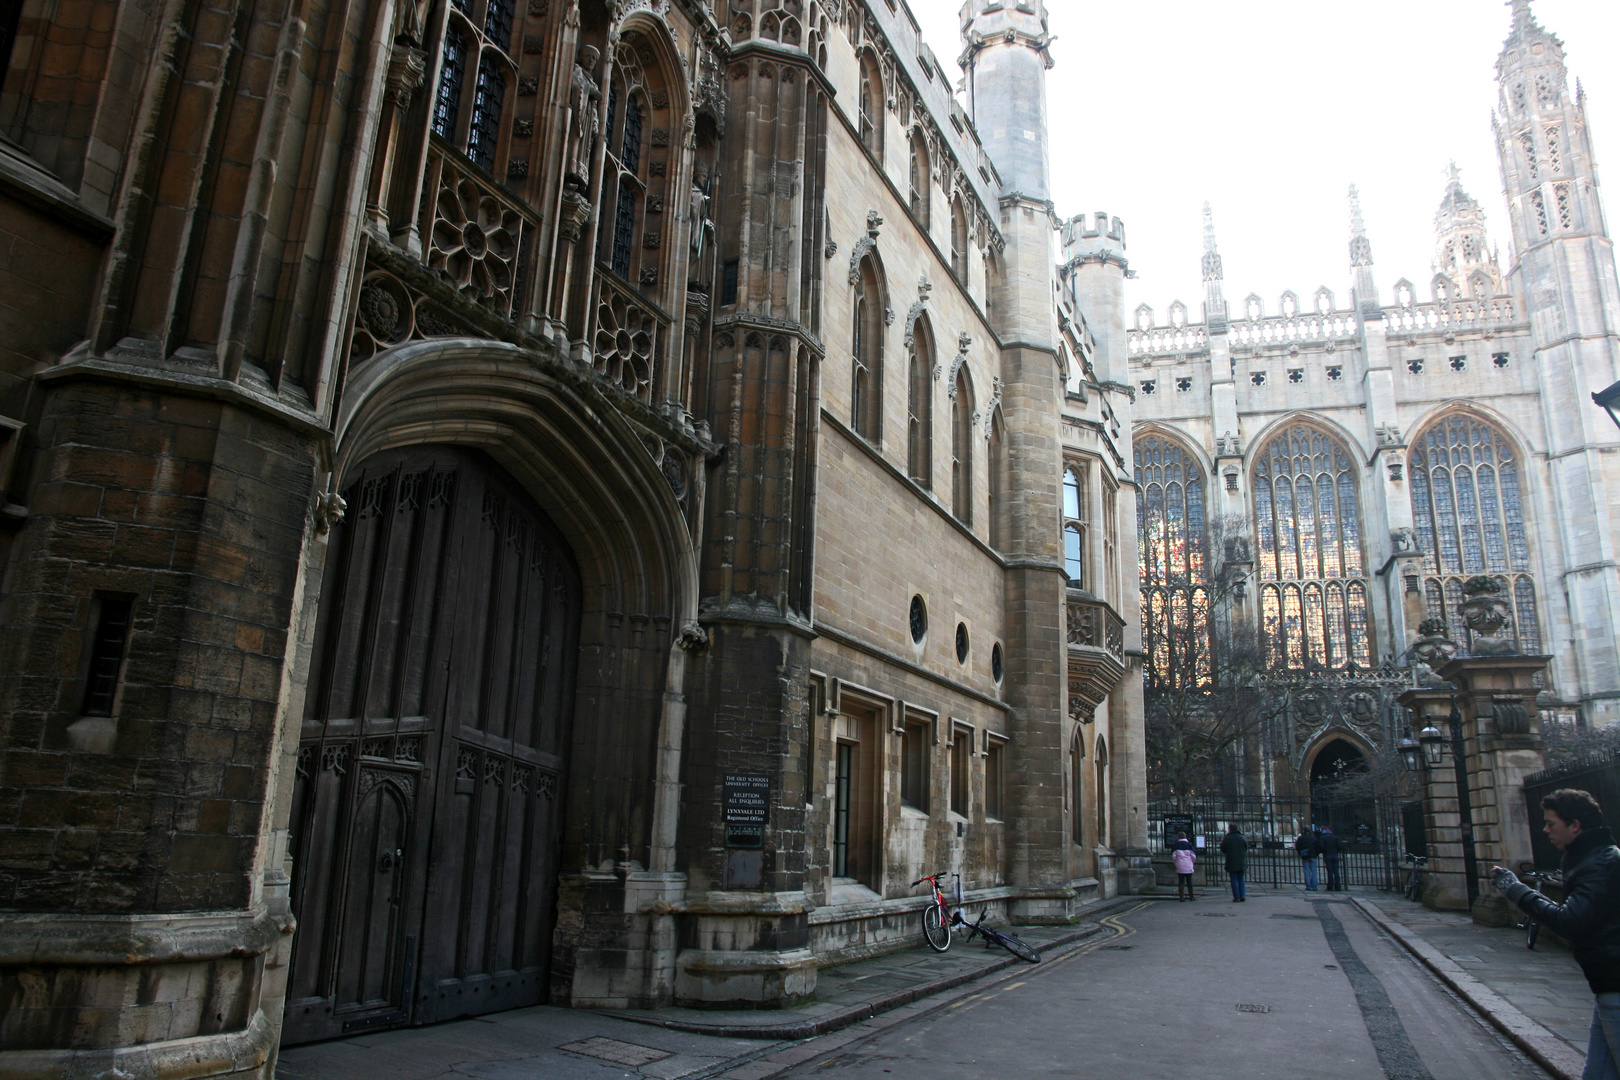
(1329, 472)
(566, 500)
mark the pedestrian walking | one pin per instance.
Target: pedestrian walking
(1184, 858)
(1589, 917)
(1332, 857)
(1236, 850)
(1308, 847)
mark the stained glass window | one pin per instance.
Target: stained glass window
(1172, 560)
(630, 157)
(1468, 514)
(1309, 526)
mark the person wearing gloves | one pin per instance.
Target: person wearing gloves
(1589, 917)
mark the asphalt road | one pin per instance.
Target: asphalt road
(1278, 987)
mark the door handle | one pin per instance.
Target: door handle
(388, 860)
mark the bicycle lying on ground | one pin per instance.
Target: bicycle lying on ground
(940, 920)
(1414, 882)
(1536, 878)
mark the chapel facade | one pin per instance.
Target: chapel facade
(566, 500)
(1324, 475)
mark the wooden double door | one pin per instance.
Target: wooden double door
(429, 776)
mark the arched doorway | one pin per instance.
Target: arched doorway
(426, 805)
(1340, 796)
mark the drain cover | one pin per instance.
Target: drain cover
(1251, 1008)
(620, 1053)
(1217, 915)
(1119, 948)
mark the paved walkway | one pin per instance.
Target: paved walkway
(1537, 1000)
(694, 1044)
(1537, 997)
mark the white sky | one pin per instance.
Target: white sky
(1270, 110)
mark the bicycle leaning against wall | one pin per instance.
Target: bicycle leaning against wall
(940, 921)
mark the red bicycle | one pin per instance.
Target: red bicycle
(939, 919)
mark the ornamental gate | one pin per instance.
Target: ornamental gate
(426, 808)
(1370, 829)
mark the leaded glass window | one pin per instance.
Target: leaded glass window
(475, 52)
(624, 227)
(447, 102)
(1074, 525)
(1468, 513)
(1313, 592)
(1172, 560)
(488, 97)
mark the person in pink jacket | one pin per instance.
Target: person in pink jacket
(1184, 859)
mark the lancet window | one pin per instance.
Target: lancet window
(1172, 563)
(1468, 513)
(920, 179)
(871, 106)
(995, 473)
(1074, 524)
(962, 447)
(920, 405)
(476, 48)
(1313, 592)
(866, 391)
(959, 240)
(623, 174)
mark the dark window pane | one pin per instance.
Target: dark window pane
(498, 22)
(630, 156)
(624, 227)
(486, 119)
(447, 104)
(107, 656)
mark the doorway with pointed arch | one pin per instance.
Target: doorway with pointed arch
(1340, 797)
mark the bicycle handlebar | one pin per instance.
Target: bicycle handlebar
(929, 877)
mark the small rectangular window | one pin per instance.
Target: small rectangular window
(994, 781)
(728, 283)
(962, 771)
(914, 767)
(106, 653)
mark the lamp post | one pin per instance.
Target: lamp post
(1610, 400)
(1433, 745)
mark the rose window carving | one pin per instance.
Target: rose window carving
(475, 241)
(626, 337)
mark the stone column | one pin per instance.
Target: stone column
(1496, 697)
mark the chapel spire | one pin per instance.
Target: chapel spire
(1361, 260)
(1461, 255)
(1214, 300)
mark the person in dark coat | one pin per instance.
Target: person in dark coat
(1589, 917)
(1332, 856)
(1308, 847)
(1236, 850)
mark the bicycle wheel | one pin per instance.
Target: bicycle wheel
(1016, 947)
(1530, 929)
(936, 927)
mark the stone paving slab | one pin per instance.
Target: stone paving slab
(1538, 998)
